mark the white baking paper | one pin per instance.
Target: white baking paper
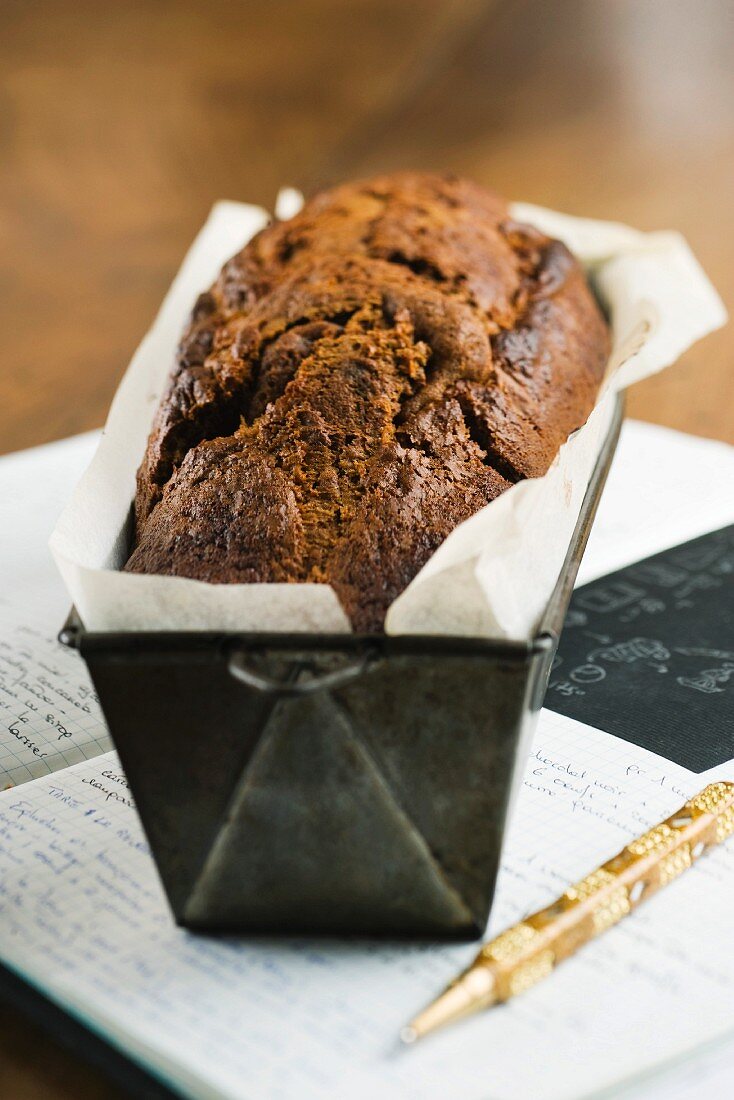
(494, 574)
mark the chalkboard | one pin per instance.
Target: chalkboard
(647, 653)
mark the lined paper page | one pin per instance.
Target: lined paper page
(81, 913)
(49, 715)
(708, 1072)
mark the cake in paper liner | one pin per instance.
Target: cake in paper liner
(493, 575)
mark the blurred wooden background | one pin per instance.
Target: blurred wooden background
(121, 123)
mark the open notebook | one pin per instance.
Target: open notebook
(83, 918)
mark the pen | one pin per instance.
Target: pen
(528, 952)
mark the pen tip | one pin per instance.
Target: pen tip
(472, 990)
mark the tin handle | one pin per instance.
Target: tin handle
(267, 685)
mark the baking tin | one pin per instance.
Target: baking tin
(332, 784)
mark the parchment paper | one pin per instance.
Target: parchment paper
(494, 574)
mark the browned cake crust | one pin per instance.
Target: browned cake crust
(359, 380)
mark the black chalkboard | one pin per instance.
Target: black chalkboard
(647, 653)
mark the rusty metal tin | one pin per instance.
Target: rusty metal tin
(334, 784)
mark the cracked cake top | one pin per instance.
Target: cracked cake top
(360, 379)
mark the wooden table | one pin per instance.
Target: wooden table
(121, 123)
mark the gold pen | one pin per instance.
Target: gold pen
(523, 955)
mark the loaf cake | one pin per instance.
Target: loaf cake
(359, 380)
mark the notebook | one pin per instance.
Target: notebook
(645, 1011)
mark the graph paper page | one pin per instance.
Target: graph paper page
(664, 488)
(49, 715)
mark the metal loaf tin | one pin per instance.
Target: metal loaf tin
(334, 784)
